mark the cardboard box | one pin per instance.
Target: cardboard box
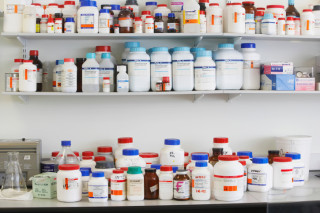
(305, 84)
(45, 185)
(277, 68)
(278, 82)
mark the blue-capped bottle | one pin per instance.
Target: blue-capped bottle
(66, 155)
(172, 154)
(90, 74)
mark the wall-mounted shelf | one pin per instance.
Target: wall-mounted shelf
(230, 94)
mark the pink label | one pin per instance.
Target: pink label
(176, 3)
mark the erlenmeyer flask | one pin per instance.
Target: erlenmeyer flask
(13, 180)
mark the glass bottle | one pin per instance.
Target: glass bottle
(14, 181)
(66, 155)
(215, 154)
(151, 184)
(34, 56)
(60, 15)
(158, 23)
(272, 154)
(79, 62)
(202, 5)
(171, 23)
(126, 20)
(291, 11)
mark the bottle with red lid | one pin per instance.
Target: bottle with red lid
(34, 56)
(106, 151)
(16, 65)
(222, 143)
(123, 143)
(282, 173)
(150, 158)
(28, 77)
(166, 183)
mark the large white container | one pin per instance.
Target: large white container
(160, 66)
(29, 19)
(128, 46)
(130, 158)
(139, 69)
(88, 17)
(182, 69)
(214, 18)
(69, 185)
(123, 143)
(28, 76)
(69, 76)
(172, 154)
(135, 184)
(251, 66)
(205, 72)
(201, 182)
(236, 19)
(228, 179)
(98, 188)
(300, 144)
(260, 175)
(229, 67)
(282, 173)
(307, 22)
(90, 74)
(191, 17)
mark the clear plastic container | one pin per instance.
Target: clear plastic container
(90, 74)
(251, 67)
(106, 70)
(66, 155)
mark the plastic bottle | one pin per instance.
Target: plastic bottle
(139, 70)
(123, 143)
(226, 12)
(16, 65)
(28, 77)
(98, 188)
(158, 23)
(50, 25)
(176, 7)
(88, 17)
(104, 49)
(122, 79)
(138, 25)
(307, 22)
(166, 183)
(191, 17)
(281, 26)
(69, 26)
(57, 71)
(229, 67)
(160, 66)
(172, 154)
(90, 74)
(236, 19)
(251, 67)
(298, 168)
(104, 21)
(183, 69)
(162, 8)
(70, 11)
(130, 158)
(282, 173)
(268, 24)
(87, 162)
(250, 24)
(260, 175)
(151, 6)
(214, 18)
(201, 179)
(66, 156)
(69, 76)
(106, 70)
(290, 26)
(128, 46)
(116, 10)
(205, 72)
(199, 157)
(118, 185)
(135, 184)
(85, 177)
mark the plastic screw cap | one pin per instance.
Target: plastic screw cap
(86, 168)
(99, 158)
(268, 16)
(246, 153)
(117, 171)
(228, 158)
(97, 174)
(85, 172)
(204, 54)
(137, 49)
(260, 160)
(134, 170)
(199, 156)
(248, 45)
(160, 49)
(68, 167)
(166, 168)
(130, 152)
(106, 56)
(125, 140)
(132, 44)
(172, 141)
(201, 164)
(294, 155)
(197, 49)
(104, 149)
(156, 166)
(65, 143)
(226, 46)
(88, 153)
(176, 49)
(220, 140)
(91, 55)
(282, 159)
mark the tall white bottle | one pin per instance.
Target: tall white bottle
(122, 79)
(191, 17)
(106, 70)
(90, 74)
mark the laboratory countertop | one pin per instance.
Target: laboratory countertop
(305, 198)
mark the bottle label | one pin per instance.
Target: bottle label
(12, 82)
(216, 20)
(171, 26)
(201, 184)
(182, 67)
(98, 191)
(161, 69)
(298, 174)
(229, 67)
(158, 25)
(135, 187)
(138, 27)
(90, 75)
(50, 28)
(126, 22)
(39, 75)
(122, 84)
(104, 22)
(238, 17)
(118, 186)
(191, 17)
(57, 83)
(181, 189)
(138, 67)
(257, 178)
(85, 187)
(87, 21)
(71, 183)
(106, 72)
(286, 175)
(205, 76)
(251, 27)
(154, 188)
(149, 28)
(172, 158)
(14, 8)
(166, 186)
(69, 28)
(69, 78)
(228, 183)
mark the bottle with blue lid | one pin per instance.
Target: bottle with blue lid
(251, 67)
(98, 188)
(229, 67)
(128, 46)
(88, 17)
(90, 74)
(160, 66)
(151, 6)
(298, 168)
(106, 70)
(66, 155)
(201, 181)
(172, 154)
(199, 157)
(260, 175)
(204, 71)
(130, 157)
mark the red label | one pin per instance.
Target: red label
(219, 176)
(286, 170)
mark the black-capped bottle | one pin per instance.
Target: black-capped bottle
(34, 56)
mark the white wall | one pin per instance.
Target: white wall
(251, 121)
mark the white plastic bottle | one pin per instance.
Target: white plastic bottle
(88, 17)
(70, 11)
(160, 66)
(298, 168)
(203, 22)
(51, 9)
(222, 143)
(290, 26)
(205, 72)
(236, 19)
(69, 76)
(87, 162)
(29, 19)
(149, 25)
(122, 79)
(268, 24)
(118, 185)
(182, 69)
(214, 18)
(123, 143)
(282, 173)
(139, 69)
(128, 46)
(135, 184)
(199, 157)
(57, 71)
(106, 70)
(201, 179)
(172, 154)
(162, 8)
(297, 23)
(130, 158)
(250, 24)
(85, 177)
(229, 67)
(307, 22)
(191, 17)
(98, 188)
(226, 12)
(90, 74)
(104, 21)
(166, 183)
(260, 175)
(28, 76)
(281, 26)
(251, 67)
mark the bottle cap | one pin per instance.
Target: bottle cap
(115, 7)
(205, 53)
(99, 158)
(98, 174)
(275, 6)
(158, 15)
(171, 15)
(91, 56)
(202, 12)
(150, 170)
(103, 49)
(85, 172)
(155, 166)
(176, 49)
(68, 60)
(87, 157)
(27, 61)
(132, 44)
(290, 18)
(282, 159)
(214, 4)
(137, 49)
(244, 157)
(197, 156)
(149, 155)
(65, 143)
(137, 19)
(220, 140)
(248, 2)
(69, 3)
(67, 167)
(246, 153)
(282, 19)
(18, 60)
(248, 45)
(106, 149)
(226, 46)
(117, 171)
(172, 141)
(268, 16)
(197, 49)
(166, 79)
(260, 160)
(86, 168)
(105, 56)
(69, 19)
(166, 168)
(307, 10)
(53, 5)
(54, 154)
(250, 16)
(125, 140)
(44, 16)
(130, 152)
(88, 4)
(36, 4)
(150, 17)
(293, 155)
(201, 164)
(175, 169)
(34, 52)
(160, 49)
(228, 157)
(316, 7)
(162, 5)
(146, 12)
(150, 3)
(134, 170)
(59, 62)
(88, 153)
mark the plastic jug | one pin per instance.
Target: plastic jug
(191, 17)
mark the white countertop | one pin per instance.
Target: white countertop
(309, 192)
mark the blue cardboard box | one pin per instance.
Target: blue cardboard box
(283, 82)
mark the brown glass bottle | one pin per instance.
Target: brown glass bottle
(215, 154)
(60, 15)
(151, 184)
(79, 62)
(126, 20)
(158, 23)
(272, 154)
(249, 7)
(181, 186)
(34, 56)
(291, 11)
(171, 23)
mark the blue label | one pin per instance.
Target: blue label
(47, 167)
(182, 60)
(160, 62)
(138, 60)
(226, 60)
(204, 67)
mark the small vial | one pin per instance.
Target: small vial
(106, 84)
(69, 25)
(159, 87)
(281, 26)
(290, 26)
(116, 28)
(166, 83)
(50, 25)
(58, 25)
(44, 24)
(138, 25)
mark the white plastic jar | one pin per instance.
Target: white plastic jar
(85, 177)
(282, 173)
(277, 11)
(229, 67)
(128, 46)
(290, 26)
(297, 23)
(69, 76)
(260, 175)
(123, 143)
(118, 185)
(150, 158)
(88, 17)
(29, 19)
(268, 24)
(104, 21)
(182, 69)
(281, 26)
(205, 72)
(222, 143)
(52, 9)
(166, 183)
(135, 184)
(214, 18)
(251, 67)
(172, 154)
(87, 162)
(162, 8)
(298, 168)
(69, 184)
(199, 157)
(28, 76)
(228, 179)
(130, 158)
(138, 69)
(106, 151)
(160, 66)
(250, 24)
(151, 6)
(307, 22)
(16, 65)
(98, 188)
(236, 19)
(90, 74)
(201, 182)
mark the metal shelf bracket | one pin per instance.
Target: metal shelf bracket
(231, 97)
(23, 41)
(197, 98)
(24, 99)
(197, 41)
